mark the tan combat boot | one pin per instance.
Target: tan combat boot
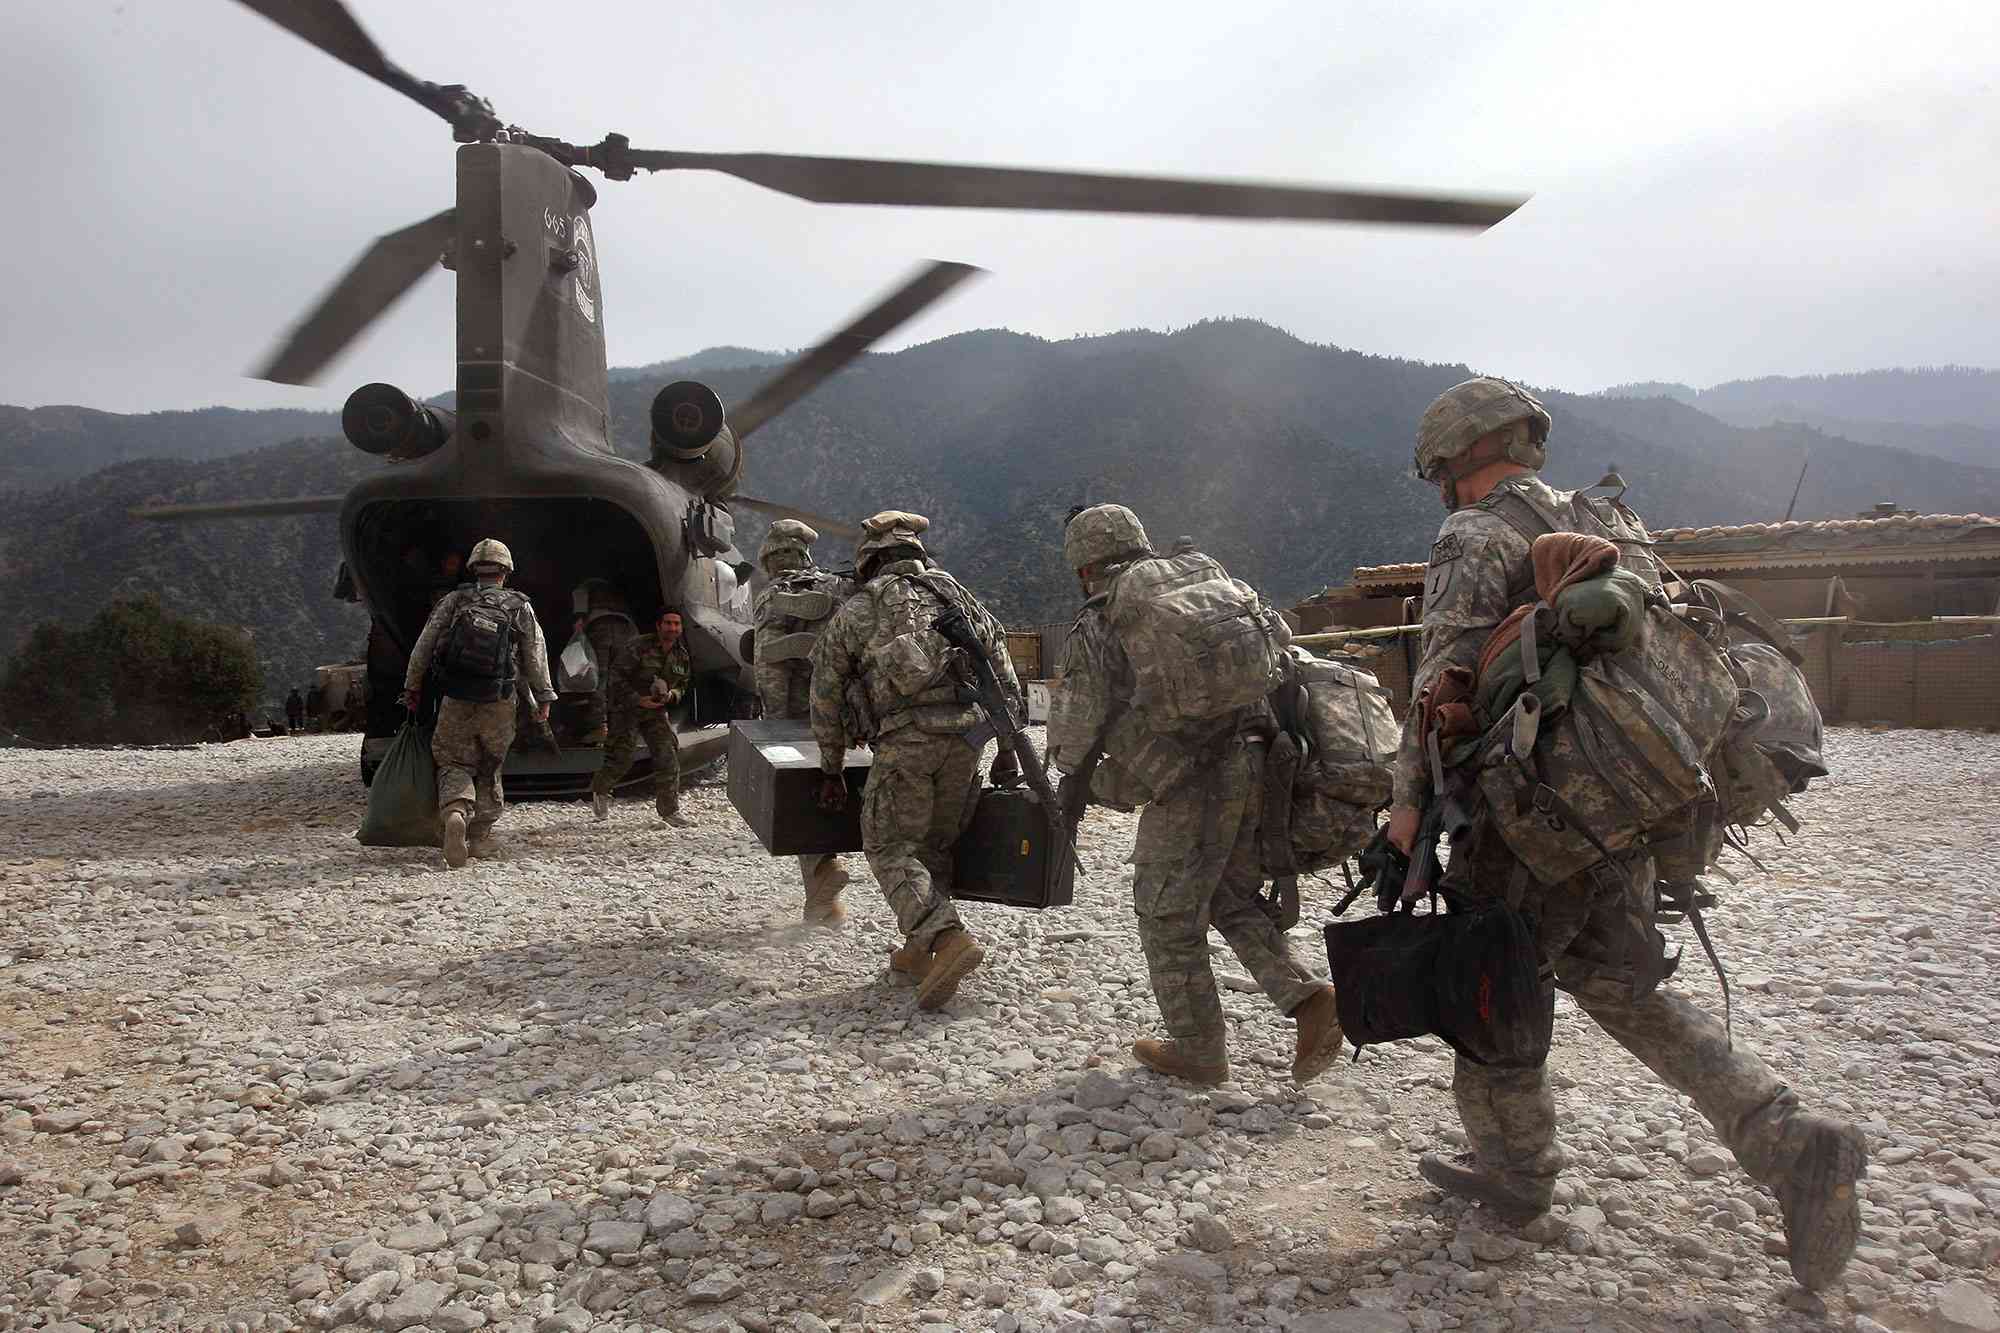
(1319, 1036)
(670, 810)
(455, 850)
(909, 963)
(954, 954)
(823, 895)
(1178, 1059)
(481, 843)
(1819, 1202)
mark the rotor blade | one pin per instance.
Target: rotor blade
(384, 272)
(303, 504)
(828, 527)
(854, 180)
(802, 376)
(328, 25)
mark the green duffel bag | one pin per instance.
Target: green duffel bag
(402, 800)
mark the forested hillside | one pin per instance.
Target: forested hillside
(1288, 461)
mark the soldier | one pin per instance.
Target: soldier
(1195, 859)
(480, 639)
(603, 620)
(295, 711)
(880, 655)
(1481, 443)
(790, 613)
(646, 679)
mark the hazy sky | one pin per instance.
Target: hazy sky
(1720, 190)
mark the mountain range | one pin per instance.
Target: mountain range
(1289, 461)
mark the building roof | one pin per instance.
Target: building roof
(1897, 539)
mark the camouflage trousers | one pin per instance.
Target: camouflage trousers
(785, 693)
(919, 801)
(621, 747)
(1595, 929)
(607, 634)
(1195, 865)
(469, 745)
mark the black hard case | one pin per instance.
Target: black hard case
(1009, 857)
(774, 785)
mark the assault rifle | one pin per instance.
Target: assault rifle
(1396, 879)
(952, 625)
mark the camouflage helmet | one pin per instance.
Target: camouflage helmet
(492, 551)
(1101, 533)
(1465, 412)
(787, 535)
(890, 528)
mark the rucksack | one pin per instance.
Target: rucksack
(1201, 644)
(476, 651)
(1772, 746)
(1338, 736)
(1629, 757)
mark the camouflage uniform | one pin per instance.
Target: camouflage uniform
(1195, 859)
(635, 674)
(924, 784)
(789, 614)
(607, 628)
(1594, 930)
(471, 740)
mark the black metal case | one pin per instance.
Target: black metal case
(1009, 856)
(774, 785)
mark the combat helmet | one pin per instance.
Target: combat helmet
(492, 551)
(1466, 411)
(788, 536)
(888, 529)
(1100, 533)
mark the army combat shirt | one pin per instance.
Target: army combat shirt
(642, 669)
(531, 653)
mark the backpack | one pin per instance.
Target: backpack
(1337, 739)
(1772, 746)
(909, 664)
(1201, 644)
(1629, 757)
(476, 652)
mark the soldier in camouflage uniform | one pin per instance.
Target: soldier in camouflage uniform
(647, 678)
(1481, 443)
(790, 613)
(879, 655)
(471, 740)
(1195, 860)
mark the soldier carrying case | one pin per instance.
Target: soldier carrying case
(1008, 856)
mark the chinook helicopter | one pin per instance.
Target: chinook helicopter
(524, 453)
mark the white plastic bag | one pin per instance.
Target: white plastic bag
(579, 671)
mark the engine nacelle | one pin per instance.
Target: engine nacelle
(381, 419)
(692, 443)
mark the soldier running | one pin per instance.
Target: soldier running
(790, 613)
(480, 640)
(924, 784)
(647, 678)
(1482, 443)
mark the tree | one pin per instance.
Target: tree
(136, 674)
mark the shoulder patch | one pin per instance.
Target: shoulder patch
(1446, 549)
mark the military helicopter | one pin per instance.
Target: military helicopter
(524, 453)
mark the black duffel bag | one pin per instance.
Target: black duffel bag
(1470, 978)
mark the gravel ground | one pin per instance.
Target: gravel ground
(253, 1076)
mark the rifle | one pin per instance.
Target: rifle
(952, 625)
(1394, 878)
